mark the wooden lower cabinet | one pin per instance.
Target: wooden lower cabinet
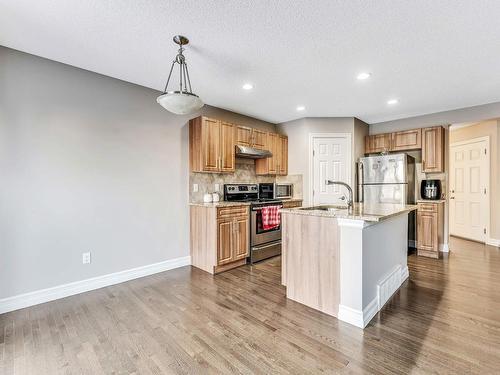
(219, 237)
(292, 203)
(430, 229)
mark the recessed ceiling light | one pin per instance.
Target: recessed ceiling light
(247, 86)
(301, 108)
(362, 76)
(392, 101)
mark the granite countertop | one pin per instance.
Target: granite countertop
(219, 204)
(360, 211)
(431, 200)
(231, 204)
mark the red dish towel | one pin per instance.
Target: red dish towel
(271, 217)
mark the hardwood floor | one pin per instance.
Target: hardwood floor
(445, 319)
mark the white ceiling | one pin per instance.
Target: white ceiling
(431, 55)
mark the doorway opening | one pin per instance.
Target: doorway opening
(470, 180)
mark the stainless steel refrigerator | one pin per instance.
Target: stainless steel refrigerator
(388, 179)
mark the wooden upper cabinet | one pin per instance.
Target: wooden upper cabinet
(282, 168)
(259, 139)
(433, 149)
(211, 145)
(377, 143)
(243, 135)
(406, 140)
(227, 152)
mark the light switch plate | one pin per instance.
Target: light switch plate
(217, 187)
(195, 188)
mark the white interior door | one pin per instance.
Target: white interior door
(469, 190)
(331, 161)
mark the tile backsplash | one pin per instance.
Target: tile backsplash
(245, 173)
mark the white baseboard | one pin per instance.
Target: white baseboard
(444, 248)
(405, 273)
(385, 290)
(493, 242)
(358, 318)
(45, 295)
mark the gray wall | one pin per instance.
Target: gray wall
(470, 114)
(87, 163)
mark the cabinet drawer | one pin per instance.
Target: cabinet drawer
(427, 207)
(225, 212)
(292, 204)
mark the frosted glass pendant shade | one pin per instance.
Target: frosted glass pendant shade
(180, 103)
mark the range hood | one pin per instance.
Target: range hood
(251, 152)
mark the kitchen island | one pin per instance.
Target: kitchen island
(345, 262)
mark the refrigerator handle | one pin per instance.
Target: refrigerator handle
(360, 182)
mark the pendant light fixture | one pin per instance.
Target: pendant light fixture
(182, 101)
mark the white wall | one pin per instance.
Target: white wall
(87, 163)
(469, 114)
(298, 142)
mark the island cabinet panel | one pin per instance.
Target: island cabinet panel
(211, 145)
(430, 229)
(219, 237)
(310, 261)
(433, 150)
(406, 140)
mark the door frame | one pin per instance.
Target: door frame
(312, 137)
(488, 178)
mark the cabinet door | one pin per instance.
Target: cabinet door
(243, 136)
(407, 140)
(227, 157)
(225, 238)
(259, 139)
(210, 139)
(377, 143)
(241, 238)
(432, 149)
(283, 155)
(427, 235)
(272, 140)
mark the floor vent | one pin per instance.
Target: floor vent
(387, 287)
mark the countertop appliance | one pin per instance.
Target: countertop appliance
(278, 190)
(430, 189)
(388, 179)
(263, 243)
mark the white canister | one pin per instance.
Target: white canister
(215, 197)
(207, 198)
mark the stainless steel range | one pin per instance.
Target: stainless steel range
(264, 243)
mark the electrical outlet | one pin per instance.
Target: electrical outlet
(217, 187)
(195, 188)
(86, 259)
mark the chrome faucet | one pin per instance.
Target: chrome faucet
(349, 200)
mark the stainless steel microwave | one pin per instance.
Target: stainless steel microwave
(283, 190)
